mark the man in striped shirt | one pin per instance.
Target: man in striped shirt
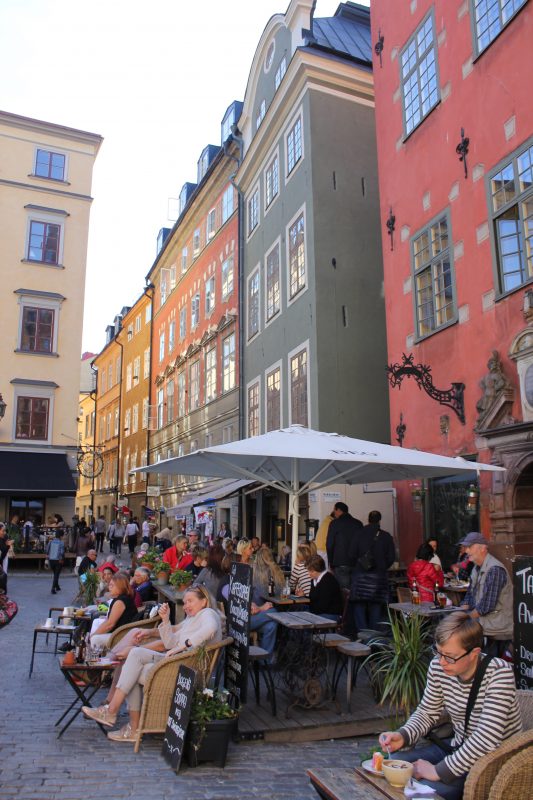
(495, 715)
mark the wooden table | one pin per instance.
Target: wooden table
(302, 620)
(455, 593)
(424, 609)
(292, 600)
(85, 680)
(167, 594)
(353, 784)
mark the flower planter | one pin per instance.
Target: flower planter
(147, 564)
(162, 578)
(182, 586)
(213, 745)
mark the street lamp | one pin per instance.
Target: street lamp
(3, 406)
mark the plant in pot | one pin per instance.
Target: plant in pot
(89, 583)
(161, 570)
(149, 558)
(180, 579)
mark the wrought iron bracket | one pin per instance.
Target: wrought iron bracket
(462, 150)
(378, 47)
(400, 431)
(391, 224)
(453, 398)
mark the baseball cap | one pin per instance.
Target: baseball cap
(473, 538)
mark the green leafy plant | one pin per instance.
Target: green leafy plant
(210, 704)
(161, 566)
(180, 577)
(89, 583)
(399, 665)
(150, 556)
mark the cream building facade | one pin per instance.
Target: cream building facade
(45, 199)
(86, 435)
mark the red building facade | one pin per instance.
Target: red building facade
(458, 257)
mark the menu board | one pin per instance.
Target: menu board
(523, 621)
(178, 717)
(239, 602)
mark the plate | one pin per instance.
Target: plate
(367, 766)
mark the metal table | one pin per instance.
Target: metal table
(85, 680)
(424, 609)
(55, 630)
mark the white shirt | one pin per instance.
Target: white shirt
(317, 580)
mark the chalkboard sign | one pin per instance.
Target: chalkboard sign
(239, 601)
(523, 621)
(178, 717)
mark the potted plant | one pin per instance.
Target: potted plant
(180, 579)
(211, 725)
(399, 664)
(161, 570)
(149, 558)
(89, 583)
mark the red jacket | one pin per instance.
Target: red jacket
(426, 576)
(170, 556)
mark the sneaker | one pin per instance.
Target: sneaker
(100, 714)
(124, 734)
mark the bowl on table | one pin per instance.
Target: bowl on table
(397, 772)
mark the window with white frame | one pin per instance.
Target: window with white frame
(228, 363)
(136, 370)
(110, 376)
(280, 72)
(209, 295)
(273, 299)
(37, 330)
(102, 377)
(172, 277)
(145, 413)
(181, 450)
(164, 285)
(127, 422)
(161, 346)
(271, 181)
(227, 277)
(128, 377)
(211, 223)
(44, 241)
(261, 111)
(228, 203)
(135, 418)
(196, 242)
(170, 401)
(137, 323)
(210, 375)
(253, 211)
(298, 380)
(160, 407)
(116, 422)
(511, 201)
(273, 399)
(146, 363)
(418, 75)
(433, 277)
(148, 313)
(171, 335)
(108, 425)
(253, 304)
(184, 256)
(182, 394)
(490, 17)
(183, 323)
(253, 409)
(294, 145)
(296, 255)
(133, 465)
(130, 333)
(194, 385)
(195, 311)
(117, 370)
(50, 165)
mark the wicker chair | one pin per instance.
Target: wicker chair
(160, 684)
(119, 633)
(525, 701)
(515, 778)
(483, 774)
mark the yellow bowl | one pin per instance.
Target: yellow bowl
(397, 772)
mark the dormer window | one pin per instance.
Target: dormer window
(260, 114)
(270, 55)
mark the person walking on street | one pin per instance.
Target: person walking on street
(99, 530)
(372, 554)
(115, 534)
(130, 535)
(343, 531)
(56, 558)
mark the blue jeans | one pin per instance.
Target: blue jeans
(367, 614)
(267, 629)
(433, 753)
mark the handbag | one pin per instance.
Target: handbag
(367, 562)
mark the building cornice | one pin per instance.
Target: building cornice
(51, 128)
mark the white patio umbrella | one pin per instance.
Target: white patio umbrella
(296, 459)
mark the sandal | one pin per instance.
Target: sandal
(100, 714)
(124, 734)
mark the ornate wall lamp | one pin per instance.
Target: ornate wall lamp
(3, 406)
(378, 47)
(453, 398)
(462, 150)
(391, 223)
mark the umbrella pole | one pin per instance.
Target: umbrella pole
(293, 508)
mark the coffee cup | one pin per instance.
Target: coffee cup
(49, 623)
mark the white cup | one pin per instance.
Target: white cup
(49, 623)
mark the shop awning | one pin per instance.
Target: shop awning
(37, 474)
(216, 493)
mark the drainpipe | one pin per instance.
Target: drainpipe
(120, 432)
(95, 393)
(149, 291)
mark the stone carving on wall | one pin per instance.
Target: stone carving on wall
(496, 402)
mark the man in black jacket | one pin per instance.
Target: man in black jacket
(372, 555)
(342, 533)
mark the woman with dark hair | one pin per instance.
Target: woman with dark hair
(122, 609)
(425, 573)
(213, 573)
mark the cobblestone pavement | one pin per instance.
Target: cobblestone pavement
(34, 765)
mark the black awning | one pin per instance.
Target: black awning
(37, 474)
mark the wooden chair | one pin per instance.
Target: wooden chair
(259, 660)
(119, 633)
(404, 594)
(483, 774)
(160, 684)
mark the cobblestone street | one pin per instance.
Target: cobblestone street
(35, 765)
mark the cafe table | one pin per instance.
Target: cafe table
(456, 591)
(291, 601)
(423, 609)
(333, 783)
(57, 631)
(85, 680)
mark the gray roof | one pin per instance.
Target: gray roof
(347, 33)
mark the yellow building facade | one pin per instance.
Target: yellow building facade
(88, 464)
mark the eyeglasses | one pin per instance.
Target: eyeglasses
(449, 659)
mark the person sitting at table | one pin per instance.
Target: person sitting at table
(425, 573)
(109, 563)
(143, 590)
(495, 714)
(122, 610)
(325, 594)
(199, 560)
(244, 551)
(464, 566)
(435, 558)
(177, 556)
(103, 592)
(202, 625)
(213, 573)
(284, 560)
(87, 562)
(266, 571)
(300, 582)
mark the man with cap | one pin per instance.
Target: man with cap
(194, 539)
(489, 598)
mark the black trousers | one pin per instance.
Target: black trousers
(56, 567)
(100, 538)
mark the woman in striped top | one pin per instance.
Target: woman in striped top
(495, 715)
(300, 580)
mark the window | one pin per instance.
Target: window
(227, 278)
(32, 418)
(298, 377)
(116, 422)
(228, 363)
(294, 145)
(117, 370)
(211, 224)
(253, 409)
(280, 72)
(135, 418)
(184, 255)
(227, 434)
(183, 323)
(296, 247)
(130, 333)
(253, 211)
(108, 426)
(50, 165)
(146, 363)
(434, 295)
(171, 335)
(170, 401)
(133, 465)
(195, 311)
(196, 242)
(128, 377)
(490, 17)
(161, 346)
(136, 369)
(44, 242)
(160, 408)
(103, 377)
(273, 400)
(181, 394)
(272, 283)
(194, 385)
(164, 286)
(227, 204)
(137, 323)
(261, 111)
(37, 334)
(110, 376)
(209, 295)
(145, 413)
(271, 181)
(127, 422)
(253, 304)
(148, 313)
(210, 375)
(270, 55)
(511, 192)
(418, 75)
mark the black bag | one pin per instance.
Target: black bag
(367, 562)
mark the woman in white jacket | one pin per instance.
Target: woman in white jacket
(201, 625)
